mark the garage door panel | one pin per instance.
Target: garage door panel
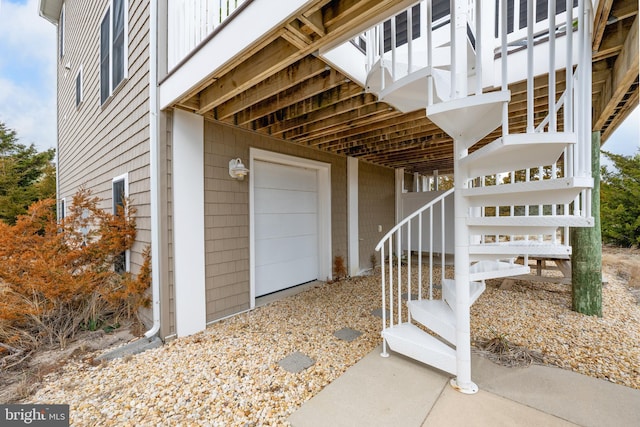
(270, 278)
(270, 201)
(276, 250)
(285, 177)
(284, 225)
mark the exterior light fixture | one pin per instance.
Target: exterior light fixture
(237, 169)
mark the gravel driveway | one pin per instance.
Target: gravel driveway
(229, 374)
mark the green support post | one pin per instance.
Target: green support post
(586, 258)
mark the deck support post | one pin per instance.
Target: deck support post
(586, 243)
(462, 382)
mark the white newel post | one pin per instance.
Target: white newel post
(188, 222)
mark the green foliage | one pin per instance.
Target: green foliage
(619, 200)
(26, 175)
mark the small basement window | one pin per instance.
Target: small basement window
(79, 95)
(120, 188)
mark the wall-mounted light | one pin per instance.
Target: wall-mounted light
(237, 169)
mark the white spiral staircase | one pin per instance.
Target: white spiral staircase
(515, 196)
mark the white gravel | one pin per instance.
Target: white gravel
(228, 375)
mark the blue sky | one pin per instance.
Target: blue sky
(28, 84)
(27, 73)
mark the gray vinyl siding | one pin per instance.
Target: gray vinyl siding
(227, 212)
(99, 142)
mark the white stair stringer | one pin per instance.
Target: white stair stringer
(541, 192)
(436, 315)
(449, 292)
(471, 118)
(413, 342)
(517, 151)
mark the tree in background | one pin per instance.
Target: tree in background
(26, 175)
(619, 198)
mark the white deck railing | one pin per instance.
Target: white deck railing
(191, 21)
(391, 248)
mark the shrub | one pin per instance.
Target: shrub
(58, 277)
(339, 268)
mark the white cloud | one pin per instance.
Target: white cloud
(626, 139)
(24, 110)
(27, 73)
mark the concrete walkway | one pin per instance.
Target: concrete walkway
(397, 391)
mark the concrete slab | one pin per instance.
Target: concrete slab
(378, 313)
(347, 334)
(376, 391)
(583, 400)
(296, 362)
(398, 391)
(454, 409)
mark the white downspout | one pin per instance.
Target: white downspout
(154, 168)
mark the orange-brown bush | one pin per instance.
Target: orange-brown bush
(58, 277)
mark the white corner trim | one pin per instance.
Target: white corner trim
(188, 222)
(324, 210)
(352, 216)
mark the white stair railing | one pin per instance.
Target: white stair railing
(547, 172)
(392, 253)
(567, 114)
(548, 160)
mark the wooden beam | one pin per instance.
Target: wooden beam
(612, 41)
(294, 35)
(600, 22)
(294, 74)
(360, 117)
(309, 105)
(314, 21)
(382, 139)
(355, 132)
(307, 88)
(326, 112)
(623, 112)
(623, 74)
(623, 9)
(274, 57)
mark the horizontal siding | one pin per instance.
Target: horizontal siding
(227, 212)
(98, 142)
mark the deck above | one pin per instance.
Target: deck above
(282, 80)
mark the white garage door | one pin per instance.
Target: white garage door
(286, 226)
